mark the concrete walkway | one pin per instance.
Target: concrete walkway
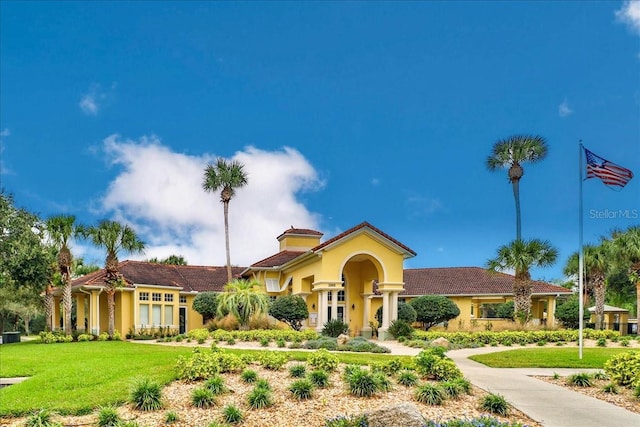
(551, 405)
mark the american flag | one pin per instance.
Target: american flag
(610, 173)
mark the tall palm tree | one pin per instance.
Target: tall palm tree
(114, 238)
(243, 299)
(511, 153)
(227, 177)
(626, 245)
(596, 263)
(61, 228)
(521, 256)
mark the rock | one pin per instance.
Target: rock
(342, 339)
(441, 342)
(405, 415)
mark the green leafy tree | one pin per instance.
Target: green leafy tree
(568, 313)
(206, 303)
(170, 260)
(290, 309)
(61, 228)
(114, 238)
(626, 246)
(505, 311)
(434, 309)
(227, 177)
(243, 299)
(25, 257)
(521, 256)
(511, 153)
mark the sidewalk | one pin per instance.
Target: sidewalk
(551, 405)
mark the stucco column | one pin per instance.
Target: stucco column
(366, 312)
(334, 305)
(80, 313)
(551, 312)
(323, 302)
(94, 312)
(385, 311)
(394, 307)
(56, 313)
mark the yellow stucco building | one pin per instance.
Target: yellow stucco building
(346, 277)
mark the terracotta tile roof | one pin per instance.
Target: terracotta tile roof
(359, 227)
(278, 259)
(300, 231)
(188, 277)
(466, 281)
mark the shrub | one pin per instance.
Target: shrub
(264, 342)
(301, 389)
(452, 388)
(324, 360)
(581, 379)
(201, 334)
(400, 328)
(298, 370)
(601, 342)
(249, 376)
(406, 313)
(216, 385)
(108, 417)
(382, 381)
(206, 303)
(434, 309)
(42, 418)
(430, 394)
(259, 397)
(202, 397)
(199, 366)
(319, 378)
(264, 384)
(610, 388)
(327, 343)
(146, 395)
(232, 415)
(171, 417)
(272, 360)
(281, 343)
(445, 369)
(464, 384)
(290, 309)
(85, 337)
(568, 313)
(361, 383)
(495, 404)
(350, 421)
(425, 360)
(407, 378)
(335, 327)
(623, 368)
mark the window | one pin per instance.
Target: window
(272, 285)
(489, 311)
(144, 314)
(168, 297)
(340, 295)
(144, 296)
(156, 314)
(168, 315)
(156, 296)
(183, 299)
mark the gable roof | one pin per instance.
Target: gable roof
(299, 232)
(362, 226)
(464, 281)
(278, 259)
(187, 277)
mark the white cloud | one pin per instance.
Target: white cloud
(629, 13)
(92, 102)
(3, 168)
(564, 109)
(159, 192)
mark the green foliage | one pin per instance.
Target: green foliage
(383, 382)
(298, 370)
(407, 378)
(495, 404)
(464, 385)
(42, 418)
(445, 369)
(505, 310)
(624, 368)
(426, 359)
(198, 334)
(334, 328)
(263, 383)
(202, 397)
(216, 385)
(108, 417)
(362, 383)
(347, 421)
(482, 421)
(434, 309)
(601, 342)
(581, 379)
(204, 364)
(568, 313)
(248, 376)
(319, 378)
(146, 395)
(301, 389)
(273, 360)
(171, 417)
(452, 388)
(400, 328)
(54, 337)
(324, 360)
(611, 388)
(406, 313)
(206, 303)
(260, 397)
(232, 414)
(430, 394)
(290, 309)
(243, 299)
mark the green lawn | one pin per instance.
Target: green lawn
(549, 357)
(76, 378)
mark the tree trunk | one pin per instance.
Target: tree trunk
(522, 300)
(226, 238)
(66, 302)
(599, 290)
(516, 196)
(111, 305)
(48, 307)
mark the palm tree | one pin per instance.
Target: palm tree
(511, 153)
(60, 229)
(114, 238)
(596, 263)
(626, 245)
(227, 177)
(521, 256)
(243, 299)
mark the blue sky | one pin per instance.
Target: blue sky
(342, 112)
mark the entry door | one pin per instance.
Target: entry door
(183, 320)
(340, 312)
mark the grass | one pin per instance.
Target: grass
(549, 358)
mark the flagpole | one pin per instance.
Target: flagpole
(580, 255)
